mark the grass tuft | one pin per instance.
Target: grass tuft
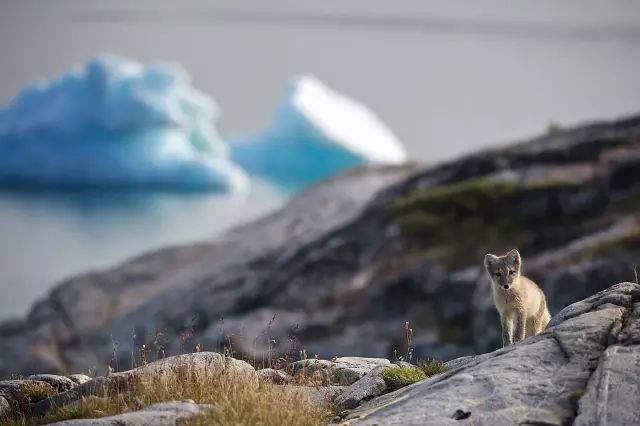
(398, 377)
(432, 367)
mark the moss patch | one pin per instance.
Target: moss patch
(398, 377)
(481, 215)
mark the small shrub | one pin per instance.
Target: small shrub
(432, 367)
(398, 377)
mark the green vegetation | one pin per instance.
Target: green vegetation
(480, 215)
(432, 367)
(398, 377)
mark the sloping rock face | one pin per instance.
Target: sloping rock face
(162, 414)
(584, 369)
(340, 269)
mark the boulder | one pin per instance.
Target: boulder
(342, 371)
(162, 414)
(277, 377)
(318, 395)
(582, 370)
(59, 383)
(368, 387)
(79, 379)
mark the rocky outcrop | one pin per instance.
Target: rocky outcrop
(340, 269)
(163, 414)
(584, 369)
(204, 365)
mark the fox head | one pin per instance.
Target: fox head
(504, 270)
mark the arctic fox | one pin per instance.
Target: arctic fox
(520, 302)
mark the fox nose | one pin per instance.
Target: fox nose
(506, 287)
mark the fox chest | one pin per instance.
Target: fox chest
(507, 303)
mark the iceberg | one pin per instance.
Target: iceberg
(316, 133)
(115, 123)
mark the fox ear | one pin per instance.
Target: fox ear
(514, 257)
(490, 260)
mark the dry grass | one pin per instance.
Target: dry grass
(37, 391)
(92, 407)
(237, 401)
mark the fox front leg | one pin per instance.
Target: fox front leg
(507, 331)
(520, 329)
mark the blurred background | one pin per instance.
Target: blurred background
(446, 77)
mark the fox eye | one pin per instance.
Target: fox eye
(511, 272)
(498, 274)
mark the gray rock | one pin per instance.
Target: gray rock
(538, 379)
(277, 377)
(79, 379)
(60, 383)
(342, 371)
(5, 408)
(319, 395)
(459, 362)
(161, 414)
(612, 393)
(368, 387)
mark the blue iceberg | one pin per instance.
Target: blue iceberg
(315, 134)
(115, 123)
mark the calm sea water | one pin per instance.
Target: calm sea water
(49, 237)
(449, 77)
